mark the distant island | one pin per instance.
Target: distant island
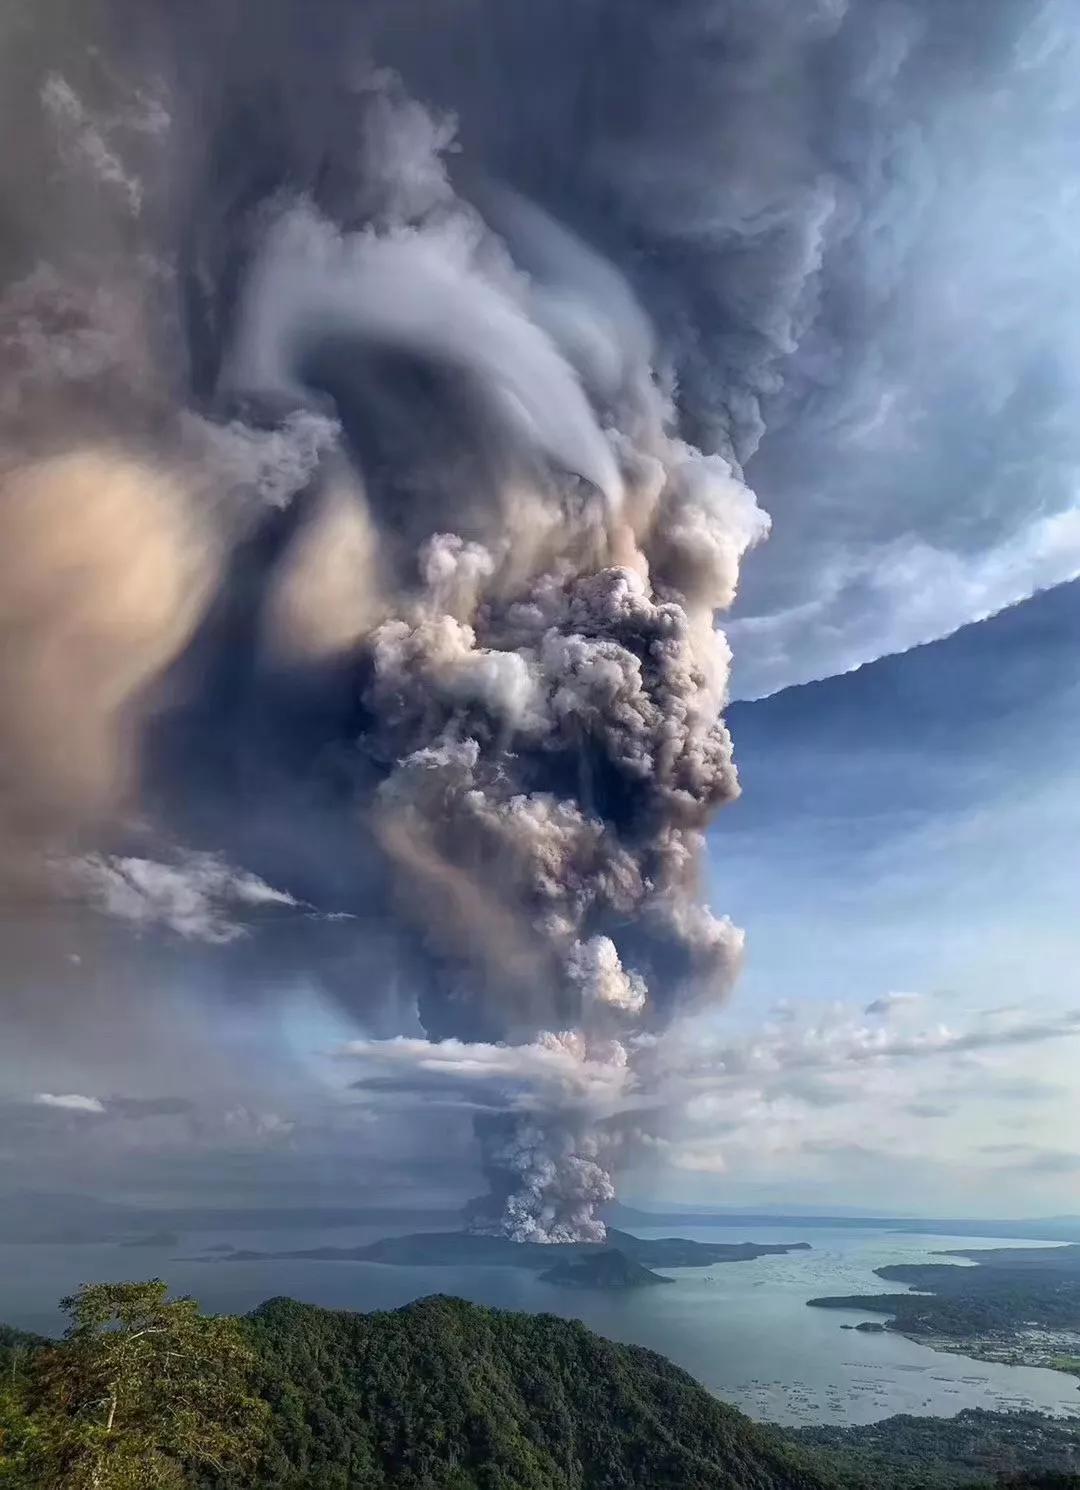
(1017, 1306)
(611, 1270)
(464, 1249)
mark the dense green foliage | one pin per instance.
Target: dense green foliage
(16, 1351)
(145, 1394)
(970, 1448)
(141, 1391)
(16, 1340)
(444, 1395)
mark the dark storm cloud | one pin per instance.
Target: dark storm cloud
(921, 460)
(846, 223)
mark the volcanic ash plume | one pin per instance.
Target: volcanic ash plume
(544, 698)
(420, 623)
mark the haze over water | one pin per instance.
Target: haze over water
(743, 1329)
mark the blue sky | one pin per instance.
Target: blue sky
(910, 828)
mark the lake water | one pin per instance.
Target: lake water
(746, 1334)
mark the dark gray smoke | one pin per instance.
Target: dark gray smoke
(379, 380)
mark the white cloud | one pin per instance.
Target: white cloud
(83, 141)
(553, 1072)
(246, 1124)
(196, 897)
(828, 1097)
(69, 1102)
(703, 1160)
(840, 1041)
(769, 1083)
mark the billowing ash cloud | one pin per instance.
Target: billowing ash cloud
(548, 1180)
(379, 381)
(541, 701)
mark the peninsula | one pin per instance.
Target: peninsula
(1016, 1305)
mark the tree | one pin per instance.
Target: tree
(142, 1390)
(14, 1436)
(15, 1427)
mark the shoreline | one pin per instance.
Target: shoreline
(1047, 1351)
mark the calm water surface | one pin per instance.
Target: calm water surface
(743, 1329)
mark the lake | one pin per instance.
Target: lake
(743, 1329)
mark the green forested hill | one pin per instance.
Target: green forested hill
(440, 1395)
(444, 1395)
(911, 1453)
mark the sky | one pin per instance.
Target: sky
(421, 427)
(903, 861)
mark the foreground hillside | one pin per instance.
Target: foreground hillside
(444, 1395)
(147, 1393)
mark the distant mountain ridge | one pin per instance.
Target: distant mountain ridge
(39, 1216)
(42, 1216)
(1049, 1228)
